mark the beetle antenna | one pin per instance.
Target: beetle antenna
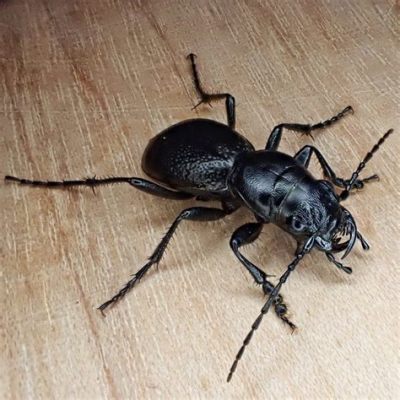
(306, 249)
(364, 243)
(361, 166)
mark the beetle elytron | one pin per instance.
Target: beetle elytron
(207, 160)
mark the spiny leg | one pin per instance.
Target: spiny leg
(209, 97)
(303, 156)
(139, 183)
(275, 292)
(276, 134)
(190, 214)
(247, 234)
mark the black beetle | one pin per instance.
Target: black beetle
(207, 160)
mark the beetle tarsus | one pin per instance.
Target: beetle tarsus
(210, 97)
(292, 326)
(303, 157)
(306, 129)
(280, 307)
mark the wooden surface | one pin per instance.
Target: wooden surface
(84, 86)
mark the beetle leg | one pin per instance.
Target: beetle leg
(190, 214)
(209, 97)
(275, 292)
(276, 134)
(247, 234)
(303, 156)
(139, 183)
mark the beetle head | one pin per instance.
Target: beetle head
(316, 212)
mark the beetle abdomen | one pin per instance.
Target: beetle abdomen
(194, 156)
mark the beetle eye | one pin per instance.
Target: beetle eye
(297, 224)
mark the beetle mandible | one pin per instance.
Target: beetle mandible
(207, 160)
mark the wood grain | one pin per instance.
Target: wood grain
(84, 86)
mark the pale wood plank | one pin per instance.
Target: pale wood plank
(84, 86)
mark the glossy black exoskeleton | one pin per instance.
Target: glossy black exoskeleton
(207, 160)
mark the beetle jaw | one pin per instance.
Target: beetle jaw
(323, 244)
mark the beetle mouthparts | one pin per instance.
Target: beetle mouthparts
(350, 229)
